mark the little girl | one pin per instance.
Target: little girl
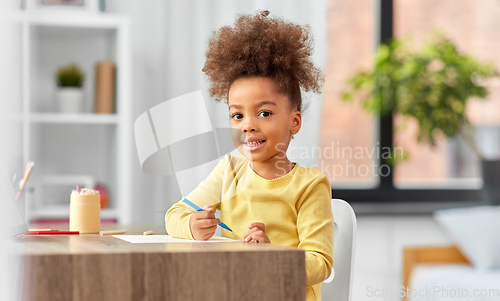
(259, 67)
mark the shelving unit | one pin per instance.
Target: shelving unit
(65, 146)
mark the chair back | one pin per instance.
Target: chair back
(338, 286)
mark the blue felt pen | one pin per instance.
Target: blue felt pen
(199, 209)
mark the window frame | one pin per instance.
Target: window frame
(386, 192)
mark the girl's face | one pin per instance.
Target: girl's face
(264, 116)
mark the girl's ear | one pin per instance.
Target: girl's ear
(296, 122)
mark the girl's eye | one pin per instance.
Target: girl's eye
(265, 113)
(236, 116)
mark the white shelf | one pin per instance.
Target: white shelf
(61, 18)
(52, 38)
(62, 211)
(83, 118)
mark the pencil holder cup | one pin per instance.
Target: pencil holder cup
(85, 213)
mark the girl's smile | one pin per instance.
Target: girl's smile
(266, 118)
(253, 143)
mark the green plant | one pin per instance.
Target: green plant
(431, 85)
(70, 76)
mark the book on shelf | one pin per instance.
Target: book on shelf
(105, 79)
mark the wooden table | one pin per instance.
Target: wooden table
(94, 267)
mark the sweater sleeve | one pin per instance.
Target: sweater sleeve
(315, 229)
(208, 192)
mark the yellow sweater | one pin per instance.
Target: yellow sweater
(296, 209)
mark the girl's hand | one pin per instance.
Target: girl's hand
(203, 223)
(256, 234)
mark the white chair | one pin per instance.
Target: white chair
(344, 222)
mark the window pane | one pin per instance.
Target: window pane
(347, 132)
(474, 28)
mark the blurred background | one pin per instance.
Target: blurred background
(76, 74)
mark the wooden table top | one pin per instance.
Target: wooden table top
(102, 244)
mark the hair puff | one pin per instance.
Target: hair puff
(259, 45)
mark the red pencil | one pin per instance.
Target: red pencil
(54, 232)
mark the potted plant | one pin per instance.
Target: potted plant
(431, 85)
(70, 93)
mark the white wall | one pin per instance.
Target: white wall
(10, 144)
(169, 43)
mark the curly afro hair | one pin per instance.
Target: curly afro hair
(261, 46)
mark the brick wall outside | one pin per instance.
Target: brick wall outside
(474, 26)
(351, 44)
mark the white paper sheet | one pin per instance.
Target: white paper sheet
(151, 239)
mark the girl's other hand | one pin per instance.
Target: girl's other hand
(203, 223)
(256, 234)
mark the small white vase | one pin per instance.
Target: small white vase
(70, 99)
